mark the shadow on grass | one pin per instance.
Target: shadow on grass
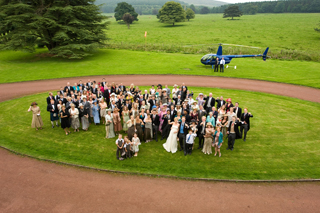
(173, 26)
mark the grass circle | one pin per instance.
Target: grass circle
(282, 144)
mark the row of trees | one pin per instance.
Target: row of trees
(281, 6)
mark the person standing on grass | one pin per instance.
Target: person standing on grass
(135, 144)
(64, 115)
(120, 144)
(207, 147)
(54, 112)
(245, 123)
(74, 113)
(216, 65)
(36, 117)
(190, 141)
(84, 117)
(217, 141)
(233, 132)
(222, 63)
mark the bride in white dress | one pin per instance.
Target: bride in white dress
(171, 144)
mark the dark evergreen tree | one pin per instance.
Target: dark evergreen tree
(232, 11)
(69, 29)
(123, 8)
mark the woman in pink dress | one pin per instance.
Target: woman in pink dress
(101, 88)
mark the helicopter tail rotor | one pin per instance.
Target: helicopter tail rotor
(264, 56)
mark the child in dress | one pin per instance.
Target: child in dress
(135, 144)
(120, 144)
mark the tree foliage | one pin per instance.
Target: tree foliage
(232, 11)
(123, 8)
(172, 12)
(128, 19)
(190, 14)
(69, 29)
(204, 10)
(317, 29)
(250, 9)
(192, 7)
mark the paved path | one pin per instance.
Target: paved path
(29, 185)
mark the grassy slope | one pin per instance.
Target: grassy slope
(277, 31)
(17, 66)
(282, 144)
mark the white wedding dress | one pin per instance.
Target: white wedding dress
(171, 144)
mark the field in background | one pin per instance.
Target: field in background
(283, 142)
(289, 36)
(17, 66)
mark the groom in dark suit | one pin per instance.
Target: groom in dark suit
(155, 124)
(183, 131)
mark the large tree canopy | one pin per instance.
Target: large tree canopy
(172, 12)
(69, 29)
(123, 8)
(232, 11)
(190, 14)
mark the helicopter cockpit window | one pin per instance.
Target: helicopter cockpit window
(206, 57)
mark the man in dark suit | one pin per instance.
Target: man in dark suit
(220, 102)
(184, 93)
(81, 84)
(210, 102)
(155, 124)
(187, 116)
(70, 88)
(153, 101)
(178, 100)
(233, 132)
(173, 112)
(201, 131)
(216, 65)
(50, 97)
(128, 104)
(57, 97)
(106, 95)
(122, 87)
(53, 109)
(182, 132)
(146, 95)
(201, 112)
(245, 123)
(237, 110)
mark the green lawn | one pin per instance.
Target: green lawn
(283, 142)
(18, 66)
(283, 33)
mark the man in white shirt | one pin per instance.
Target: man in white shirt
(222, 63)
(190, 140)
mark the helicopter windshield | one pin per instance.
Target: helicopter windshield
(207, 57)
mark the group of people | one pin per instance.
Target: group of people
(175, 114)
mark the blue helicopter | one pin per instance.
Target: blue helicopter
(210, 59)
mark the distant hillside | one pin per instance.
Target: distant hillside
(208, 3)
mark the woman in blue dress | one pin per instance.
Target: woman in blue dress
(95, 113)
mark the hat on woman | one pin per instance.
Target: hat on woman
(175, 85)
(113, 94)
(193, 121)
(34, 103)
(229, 99)
(200, 93)
(209, 124)
(164, 90)
(107, 110)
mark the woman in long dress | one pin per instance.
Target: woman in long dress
(148, 129)
(95, 113)
(161, 114)
(117, 121)
(74, 113)
(131, 127)
(171, 144)
(64, 115)
(103, 106)
(84, 116)
(111, 128)
(125, 116)
(36, 117)
(135, 144)
(139, 131)
(207, 146)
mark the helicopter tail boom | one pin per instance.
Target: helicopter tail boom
(264, 56)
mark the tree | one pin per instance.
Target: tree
(172, 12)
(250, 9)
(128, 19)
(192, 7)
(232, 11)
(69, 29)
(123, 8)
(190, 14)
(204, 10)
(280, 7)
